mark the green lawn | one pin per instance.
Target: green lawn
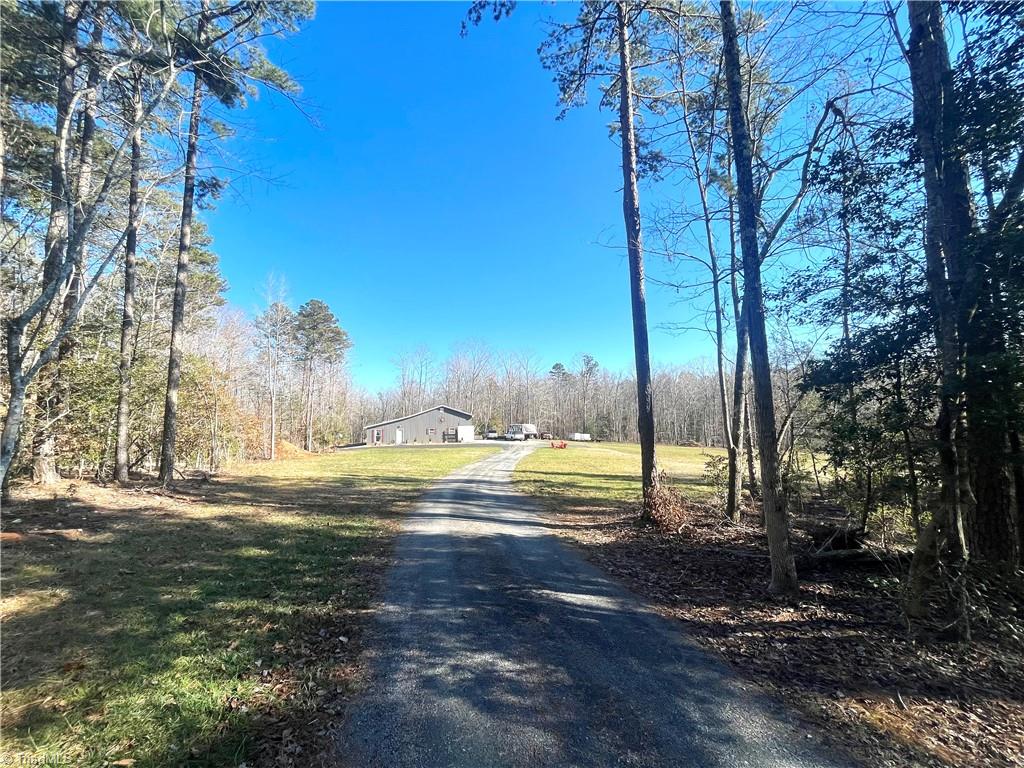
(608, 474)
(148, 630)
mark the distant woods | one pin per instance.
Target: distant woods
(580, 395)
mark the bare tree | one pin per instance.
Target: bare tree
(783, 577)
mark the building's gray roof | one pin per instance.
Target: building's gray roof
(457, 411)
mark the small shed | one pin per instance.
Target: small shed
(435, 425)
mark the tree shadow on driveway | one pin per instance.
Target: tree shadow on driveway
(498, 646)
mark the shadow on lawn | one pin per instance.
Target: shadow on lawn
(167, 590)
(146, 621)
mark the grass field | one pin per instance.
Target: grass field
(607, 475)
(151, 629)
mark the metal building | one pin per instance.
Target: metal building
(434, 425)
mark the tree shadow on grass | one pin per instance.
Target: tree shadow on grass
(174, 630)
(594, 492)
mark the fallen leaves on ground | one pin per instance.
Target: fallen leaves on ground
(840, 650)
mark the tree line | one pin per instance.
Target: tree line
(105, 107)
(580, 395)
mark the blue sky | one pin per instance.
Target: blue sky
(437, 196)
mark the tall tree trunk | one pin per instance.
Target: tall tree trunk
(755, 489)
(739, 385)
(728, 434)
(308, 430)
(634, 248)
(60, 203)
(991, 522)
(942, 548)
(44, 469)
(181, 283)
(84, 185)
(124, 369)
(783, 577)
(59, 387)
(998, 475)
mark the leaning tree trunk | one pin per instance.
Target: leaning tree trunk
(783, 577)
(180, 287)
(124, 369)
(634, 249)
(723, 386)
(730, 435)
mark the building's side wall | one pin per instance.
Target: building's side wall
(417, 429)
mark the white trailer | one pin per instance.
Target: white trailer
(521, 432)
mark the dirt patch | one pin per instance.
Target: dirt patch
(840, 651)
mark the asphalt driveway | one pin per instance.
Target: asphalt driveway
(497, 645)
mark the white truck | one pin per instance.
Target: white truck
(521, 432)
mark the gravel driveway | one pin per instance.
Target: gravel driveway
(497, 645)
